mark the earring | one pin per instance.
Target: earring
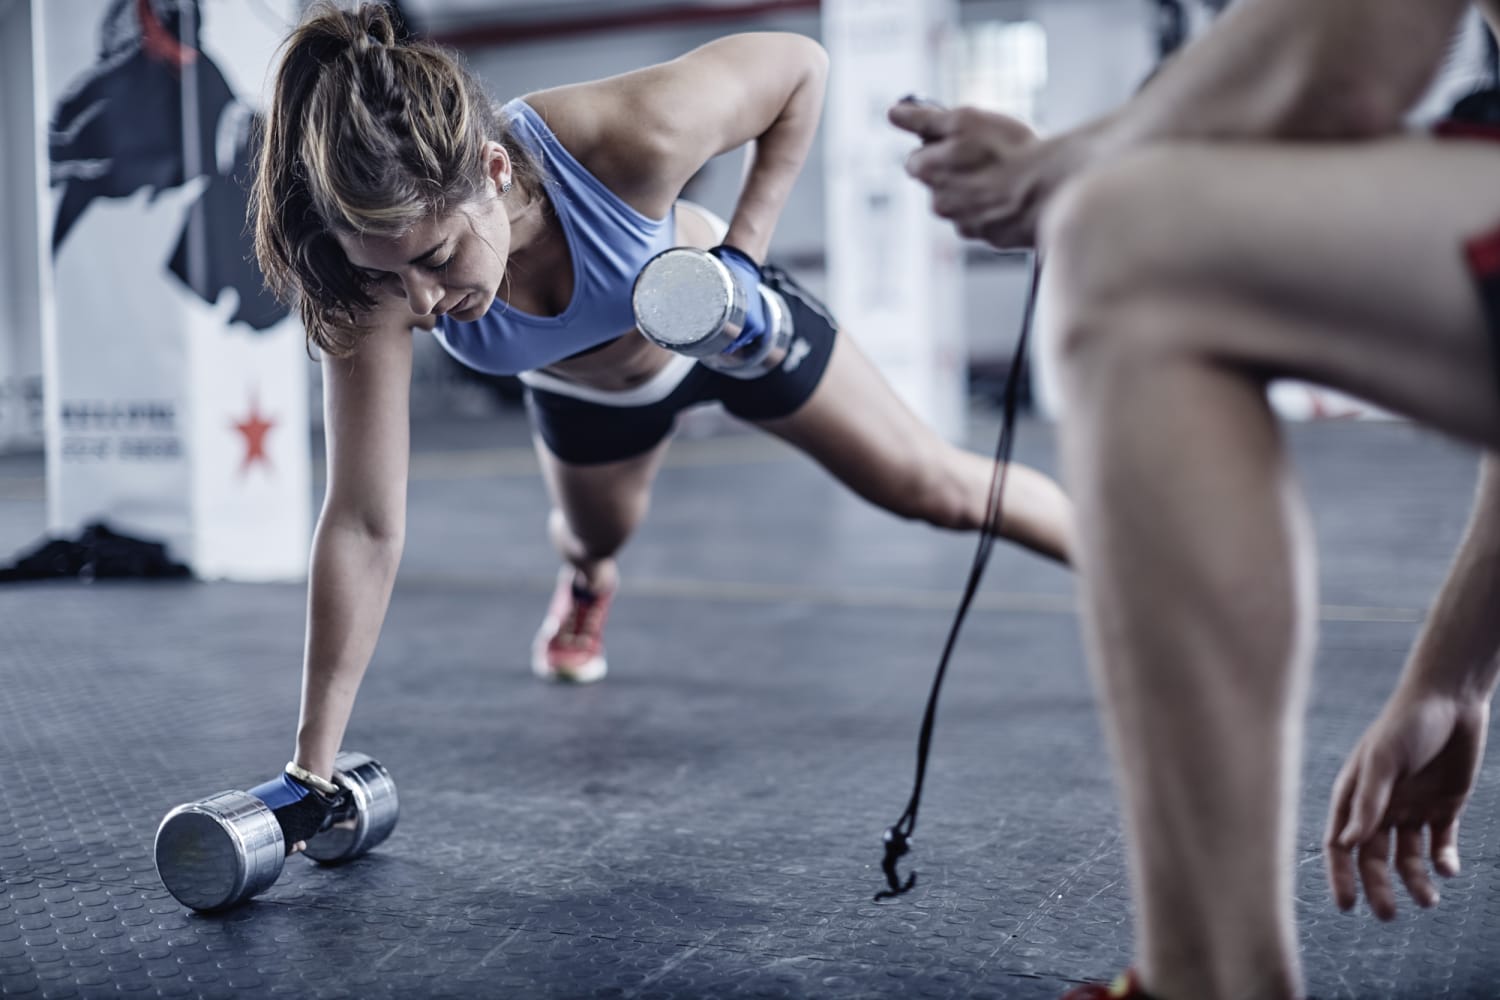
(505, 188)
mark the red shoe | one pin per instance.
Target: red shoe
(569, 647)
(1125, 987)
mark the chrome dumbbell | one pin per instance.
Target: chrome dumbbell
(690, 301)
(222, 850)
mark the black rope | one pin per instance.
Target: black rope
(898, 836)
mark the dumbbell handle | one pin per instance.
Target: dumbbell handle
(363, 816)
(301, 812)
(306, 815)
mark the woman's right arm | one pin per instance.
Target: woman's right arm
(357, 544)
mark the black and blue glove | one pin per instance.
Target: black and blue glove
(302, 811)
(746, 275)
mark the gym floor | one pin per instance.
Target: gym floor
(706, 822)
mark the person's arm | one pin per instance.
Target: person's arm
(776, 85)
(646, 133)
(1267, 68)
(357, 544)
(1458, 651)
(1415, 766)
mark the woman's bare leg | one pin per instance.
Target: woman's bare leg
(856, 426)
(595, 510)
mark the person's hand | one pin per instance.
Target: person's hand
(1411, 772)
(301, 810)
(989, 173)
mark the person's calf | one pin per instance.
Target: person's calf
(593, 561)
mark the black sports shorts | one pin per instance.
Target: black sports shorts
(584, 426)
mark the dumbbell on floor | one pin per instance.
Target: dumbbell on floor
(224, 849)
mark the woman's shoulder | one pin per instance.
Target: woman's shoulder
(613, 133)
(578, 115)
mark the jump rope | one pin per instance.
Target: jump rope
(898, 836)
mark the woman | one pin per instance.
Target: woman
(391, 194)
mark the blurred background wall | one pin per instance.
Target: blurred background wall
(1052, 62)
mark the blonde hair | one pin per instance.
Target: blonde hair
(367, 134)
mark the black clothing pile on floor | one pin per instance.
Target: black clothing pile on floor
(98, 553)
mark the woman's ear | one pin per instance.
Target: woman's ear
(497, 167)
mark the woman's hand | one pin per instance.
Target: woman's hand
(1411, 772)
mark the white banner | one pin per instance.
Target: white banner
(178, 399)
(894, 271)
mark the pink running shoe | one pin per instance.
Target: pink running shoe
(569, 647)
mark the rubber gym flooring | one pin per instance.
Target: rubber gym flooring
(706, 822)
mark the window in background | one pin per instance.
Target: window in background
(1002, 66)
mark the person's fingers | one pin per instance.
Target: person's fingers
(992, 222)
(1342, 881)
(1411, 864)
(937, 160)
(1338, 858)
(1372, 793)
(998, 128)
(926, 121)
(927, 166)
(974, 198)
(956, 205)
(1374, 872)
(953, 155)
(1445, 847)
(1339, 802)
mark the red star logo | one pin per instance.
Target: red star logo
(254, 428)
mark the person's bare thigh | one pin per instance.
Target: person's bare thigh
(856, 426)
(605, 500)
(1353, 254)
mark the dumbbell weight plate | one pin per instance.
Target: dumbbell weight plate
(686, 301)
(219, 850)
(370, 817)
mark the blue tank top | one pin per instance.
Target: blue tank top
(609, 243)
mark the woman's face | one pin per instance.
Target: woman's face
(451, 265)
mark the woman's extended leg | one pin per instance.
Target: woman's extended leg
(856, 426)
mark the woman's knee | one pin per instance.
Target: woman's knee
(932, 489)
(596, 534)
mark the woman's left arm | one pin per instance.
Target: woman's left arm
(764, 88)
